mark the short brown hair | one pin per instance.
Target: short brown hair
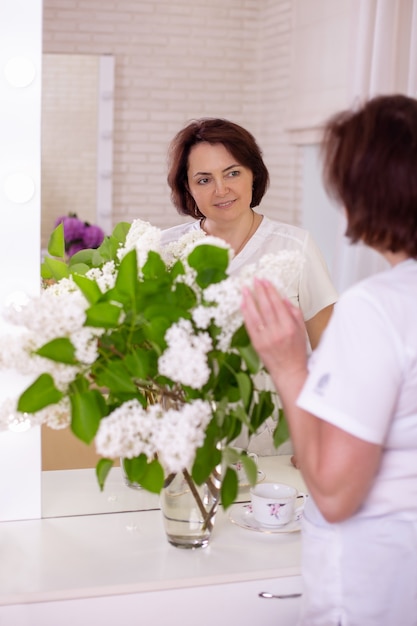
(370, 166)
(238, 141)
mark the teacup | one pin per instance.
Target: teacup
(274, 504)
(239, 466)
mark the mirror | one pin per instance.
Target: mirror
(76, 177)
(76, 139)
(76, 172)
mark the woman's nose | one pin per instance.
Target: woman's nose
(221, 187)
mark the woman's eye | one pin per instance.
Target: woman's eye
(234, 173)
(202, 181)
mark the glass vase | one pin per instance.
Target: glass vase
(189, 510)
(126, 478)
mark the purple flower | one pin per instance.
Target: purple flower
(92, 236)
(79, 235)
(274, 509)
(75, 247)
(73, 228)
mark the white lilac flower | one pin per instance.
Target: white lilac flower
(105, 277)
(180, 432)
(142, 237)
(10, 418)
(57, 312)
(225, 298)
(182, 247)
(171, 434)
(282, 269)
(128, 431)
(19, 355)
(202, 316)
(185, 359)
(210, 240)
(85, 342)
(55, 416)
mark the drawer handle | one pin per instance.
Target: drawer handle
(273, 596)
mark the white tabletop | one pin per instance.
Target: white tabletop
(83, 555)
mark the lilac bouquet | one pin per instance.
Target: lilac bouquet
(79, 235)
(141, 349)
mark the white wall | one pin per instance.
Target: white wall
(319, 214)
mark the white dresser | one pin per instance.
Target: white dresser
(79, 566)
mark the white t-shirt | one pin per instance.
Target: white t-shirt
(314, 290)
(363, 379)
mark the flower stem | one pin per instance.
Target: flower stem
(207, 515)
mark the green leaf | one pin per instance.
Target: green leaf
(153, 478)
(60, 350)
(103, 315)
(250, 468)
(232, 456)
(245, 387)
(184, 297)
(56, 244)
(127, 277)
(89, 288)
(105, 252)
(39, 394)
(154, 266)
(116, 377)
(229, 488)
(120, 231)
(262, 409)
(83, 257)
(57, 269)
(135, 468)
(103, 467)
(240, 337)
(79, 269)
(251, 358)
(210, 262)
(206, 459)
(281, 432)
(149, 475)
(88, 408)
(46, 273)
(142, 363)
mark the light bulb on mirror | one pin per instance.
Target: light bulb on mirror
(20, 71)
(19, 187)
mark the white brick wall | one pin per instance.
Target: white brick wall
(176, 61)
(283, 159)
(69, 158)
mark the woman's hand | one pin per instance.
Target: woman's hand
(277, 331)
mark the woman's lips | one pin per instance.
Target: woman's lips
(223, 205)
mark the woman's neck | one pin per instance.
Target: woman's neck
(394, 258)
(235, 234)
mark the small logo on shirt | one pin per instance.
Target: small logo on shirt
(322, 384)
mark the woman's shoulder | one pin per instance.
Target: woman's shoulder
(284, 229)
(173, 233)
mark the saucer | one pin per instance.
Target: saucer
(259, 478)
(241, 514)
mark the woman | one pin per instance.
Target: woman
(217, 176)
(352, 411)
